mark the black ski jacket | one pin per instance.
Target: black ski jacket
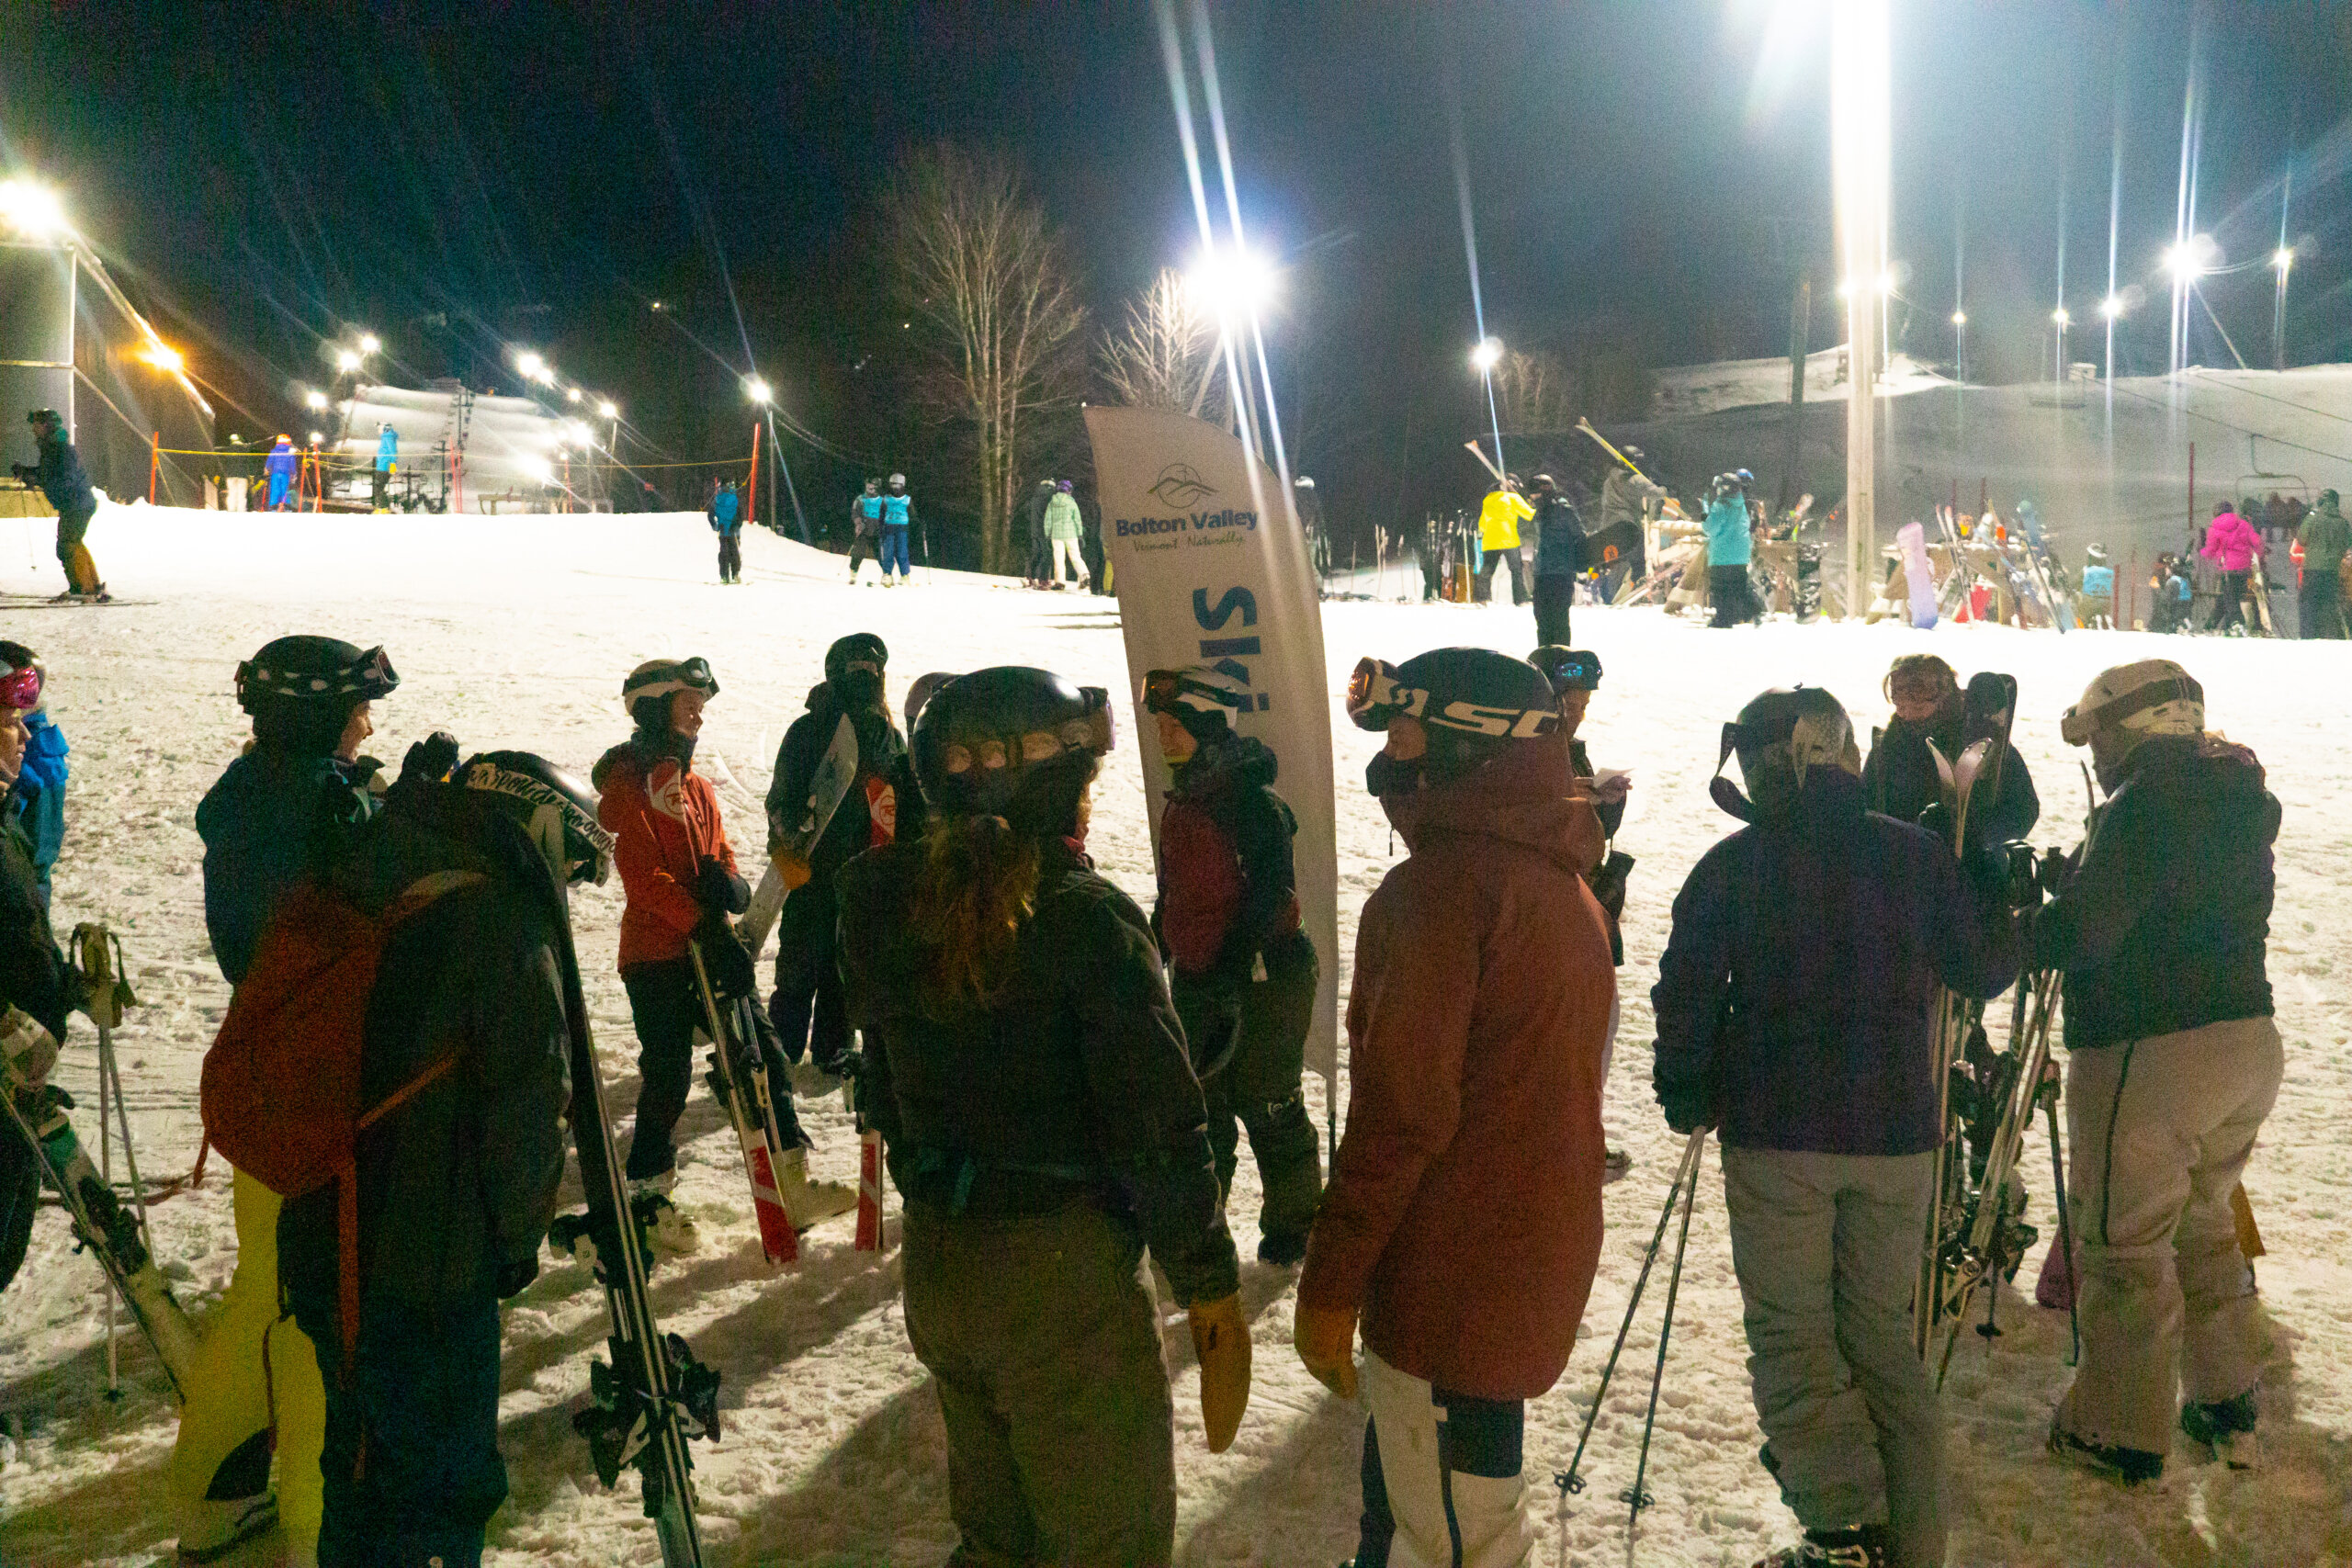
(2164, 926)
(460, 1181)
(1075, 1087)
(32, 976)
(851, 829)
(1900, 782)
(1793, 999)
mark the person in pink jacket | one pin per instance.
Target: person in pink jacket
(2232, 544)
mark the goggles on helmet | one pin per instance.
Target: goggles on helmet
(20, 689)
(1377, 697)
(661, 680)
(367, 678)
(1164, 690)
(1571, 669)
(1090, 731)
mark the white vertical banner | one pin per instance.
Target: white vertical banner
(1211, 568)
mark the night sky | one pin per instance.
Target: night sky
(466, 179)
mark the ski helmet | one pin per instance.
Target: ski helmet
(301, 690)
(557, 811)
(1744, 478)
(1012, 741)
(1567, 669)
(1063, 486)
(2096, 555)
(1302, 482)
(1474, 703)
(919, 693)
(44, 416)
(854, 667)
(1199, 698)
(898, 481)
(2133, 702)
(645, 695)
(1780, 736)
(21, 677)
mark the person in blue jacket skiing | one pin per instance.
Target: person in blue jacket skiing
(38, 804)
(280, 466)
(66, 484)
(725, 515)
(898, 523)
(388, 452)
(1729, 549)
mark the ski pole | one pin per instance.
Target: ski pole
(1633, 1497)
(2065, 1233)
(1569, 1481)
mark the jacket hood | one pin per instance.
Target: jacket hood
(1831, 801)
(1521, 798)
(2209, 759)
(639, 752)
(1238, 762)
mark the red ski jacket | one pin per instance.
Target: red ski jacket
(664, 820)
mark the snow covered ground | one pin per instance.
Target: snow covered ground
(516, 631)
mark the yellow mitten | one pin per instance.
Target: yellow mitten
(791, 867)
(1221, 1341)
(1326, 1341)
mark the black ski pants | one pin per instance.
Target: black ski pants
(1554, 596)
(863, 547)
(1733, 596)
(1510, 558)
(379, 478)
(2322, 604)
(666, 1004)
(1249, 1046)
(2229, 602)
(808, 1007)
(731, 555)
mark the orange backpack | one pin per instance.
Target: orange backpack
(281, 1088)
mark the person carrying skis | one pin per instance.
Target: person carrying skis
(678, 872)
(2173, 1062)
(1064, 526)
(864, 529)
(2325, 536)
(1809, 1043)
(1730, 546)
(1626, 501)
(2233, 545)
(1462, 1219)
(807, 1006)
(66, 484)
(37, 802)
(280, 467)
(1575, 675)
(1244, 970)
(1900, 777)
(1028, 1075)
(1500, 516)
(279, 817)
(455, 1185)
(33, 995)
(1559, 556)
(725, 515)
(388, 455)
(897, 525)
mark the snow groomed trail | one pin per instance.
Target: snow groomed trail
(515, 631)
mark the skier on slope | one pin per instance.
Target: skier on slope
(1065, 526)
(725, 515)
(864, 529)
(1245, 969)
(2174, 1061)
(1900, 778)
(37, 803)
(456, 1187)
(897, 528)
(1462, 1219)
(679, 873)
(279, 817)
(66, 484)
(806, 1004)
(33, 996)
(1809, 1041)
(280, 466)
(1575, 675)
(1028, 1075)
(1730, 546)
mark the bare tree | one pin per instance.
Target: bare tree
(993, 283)
(1164, 356)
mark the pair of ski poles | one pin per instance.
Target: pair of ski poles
(1685, 1191)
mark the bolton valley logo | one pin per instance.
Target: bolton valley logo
(1180, 488)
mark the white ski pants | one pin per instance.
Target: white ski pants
(1065, 554)
(1444, 1472)
(2157, 1133)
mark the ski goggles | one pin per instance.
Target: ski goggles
(1091, 731)
(1164, 690)
(1377, 696)
(20, 689)
(368, 677)
(681, 675)
(1568, 669)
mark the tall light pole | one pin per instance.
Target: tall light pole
(1860, 116)
(1486, 357)
(2060, 321)
(2282, 262)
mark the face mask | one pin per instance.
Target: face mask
(1384, 776)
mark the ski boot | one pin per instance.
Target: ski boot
(810, 1203)
(2125, 1467)
(1615, 1165)
(662, 1222)
(2224, 1429)
(1856, 1546)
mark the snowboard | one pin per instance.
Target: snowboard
(836, 770)
(1918, 576)
(653, 1394)
(102, 1225)
(738, 1081)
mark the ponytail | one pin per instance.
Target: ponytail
(979, 885)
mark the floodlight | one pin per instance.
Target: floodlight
(1488, 355)
(347, 361)
(529, 364)
(2191, 258)
(33, 210)
(2061, 317)
(162, 356)
(316, 438)
(2111, 307)
(1960, 318)
(369, 343)
(609, 409)
(2283, 257)
(314, 399)
(1231, 281)
(571, 394)
(757, 388)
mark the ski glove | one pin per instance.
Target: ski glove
(715, 887)
(1325, 1338)
(724, 958)
(1687, 1109)
(1221, 1343)
(795, 871)
(26, 1050)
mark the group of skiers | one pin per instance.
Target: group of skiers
(881, 523)
(1062, 1082)
(1054, 532)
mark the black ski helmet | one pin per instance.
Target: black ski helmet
(301, 690)
(1012, 741)
(1780, 736)
(1474, 703)
(45, 416)
(1567, 669)
(557, 811)
(646, 693)
(854, 667)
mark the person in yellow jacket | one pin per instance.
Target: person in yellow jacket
(1498, 519)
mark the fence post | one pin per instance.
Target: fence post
(751, 488)
(154, 463)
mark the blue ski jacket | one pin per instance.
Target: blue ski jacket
(388, 450)
(272, 820)
(898, 511)
(38, 805)
(1727, 537)
(281, 462)
(726, 509)
(61, 477)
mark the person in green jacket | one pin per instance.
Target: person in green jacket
(1065, 526)
(2326, 536)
